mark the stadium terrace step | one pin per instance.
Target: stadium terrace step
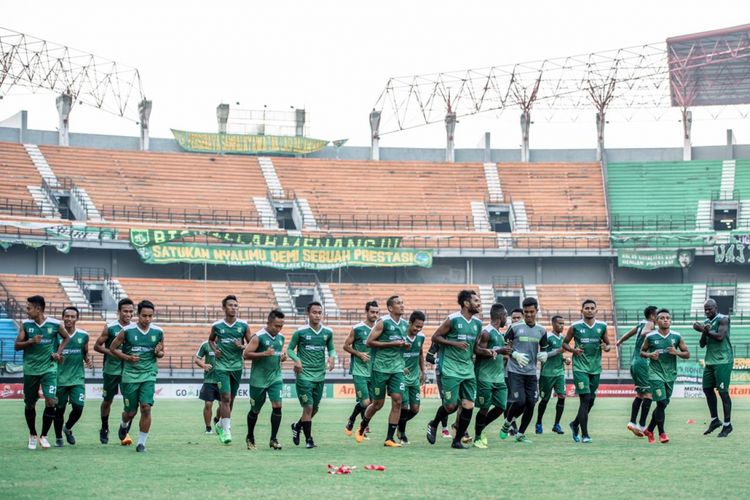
(266, 212)
(487, 294)
(308, 218)
(283, 298)
(698, 299)
(479, 213)
(329, 301)
(40, 162)
(493, 183)
(728, 168)
(272, 180)
(520, 219)
(43, 202)
(75, 295)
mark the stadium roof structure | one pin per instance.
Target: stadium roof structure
(41, 65)
(690, 70)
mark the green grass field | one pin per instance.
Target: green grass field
(183, 462)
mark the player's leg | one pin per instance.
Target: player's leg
(483, 403)
(110, 385)
(467, 392)
(404, 415)
(645, 407)
(362, 393)
(49, 391)
(516, 402)
(635, 406)
(723, 378)
(378, 384)
(30, 397)
(560, 406)
(62, 402)
(206, 396)
(274, 394)
(531, 393)
(659, 392)
(77, 398)
(396, 388)
(130, 408)
(583, 389)
(317, 395)
(710, 383)
(257, 400)
(146, 403)
(449, 394)
(545, 392)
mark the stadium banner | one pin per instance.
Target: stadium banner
(140, 238)
(285, 257)
(689, 383)
(346, 391)
(168, 391)
(73, 232)
(607, 390)
(60, 246)
(654, 259)
(736, 251)
(204, 142)
(660, 239)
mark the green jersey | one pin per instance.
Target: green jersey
(411, 358)
(37, 358)
(226, 337)
(664, 368)
(488, 369)
(454, 361)
(208, 356)
(639, 338)
(589, 339)
(70, 371)
(718, 352)
(390, 359)
(112, 364)
(311, 349)
(554, 366)
(358, 367)
(267, 370)
(142, 344)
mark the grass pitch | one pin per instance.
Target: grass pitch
(183, 462)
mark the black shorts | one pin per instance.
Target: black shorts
(210, 392)
(522, 389)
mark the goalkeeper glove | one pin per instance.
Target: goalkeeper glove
(520, 358)
(542, 356)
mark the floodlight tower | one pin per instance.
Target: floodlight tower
(222, 116)
(374, 135)
(64, 104)
(144, 112)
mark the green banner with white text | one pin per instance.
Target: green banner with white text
(285, 257)
(654, 259)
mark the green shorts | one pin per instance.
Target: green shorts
(661, 391)
(586, 383)
(491, 394)
(455, 388)
(31, 384)
(362, 388)
(549, 383)
(411, 395)
(228, 382)
(717, 376)
(309, 393)
(382, 382)
(258, 395)
(640, 373)
(110, 386)
(73, 394)
(137, 393)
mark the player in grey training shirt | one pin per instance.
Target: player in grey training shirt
(527, 338)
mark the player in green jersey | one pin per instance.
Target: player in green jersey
(307, 349)
(38, 338)
(490, 372)
(265, 350)
(387, 340)
(71, 381)
(457, 336)
(662, 348)
(359, 365)
(590, 336)
(552, 376)
(529, 346)
(112, 371)
(414, 374)
(639, 371)
(717, 370)
(205, 359)
(139, 345)
(227, 339)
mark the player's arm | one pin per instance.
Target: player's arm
(683, 351)
(480, 346)
(442, 331)
(291, 354)
(57, 355)
(199, 362)
(245, 340)
(159, 349)
(332, 356)
(22, 342)
(577, 351)
(375, 333)
(720, 332)
(604, 344)
(625, 337)
(114, 349)
(212, 343)
(252, 347)
(430, 357)
(349, 347)
(644, 351)
(87, 361)
(422, 378)
(100, 344)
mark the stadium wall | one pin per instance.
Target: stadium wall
(437, 155)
